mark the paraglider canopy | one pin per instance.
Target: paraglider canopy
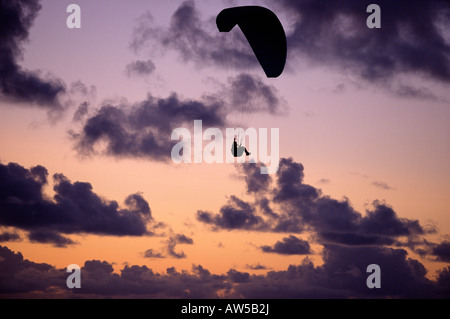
(264, 33)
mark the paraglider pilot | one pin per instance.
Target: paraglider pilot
(238, 150)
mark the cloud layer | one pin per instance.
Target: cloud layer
(282, 203)
(343, 275)
(74, 208)
(412, 38)
(287, 205)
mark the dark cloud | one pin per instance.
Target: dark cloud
(49, 237)
(343, 274)
(74, 208)
(288, 205)
(20, 276)
(442, 251)
(81, 112)
(236, 214)
(168, 250)
(443, 282)
(248, 94)
(9, 236)
(196, 39)
(150, 253)
(384, 221)
(140, 68)
(256, 267)
(255, 182)
(173, 241)
(290, 183)
(237, 276)
(16, 84)
(411, 40)
(289, 246)
(183, 239)
(144, 129)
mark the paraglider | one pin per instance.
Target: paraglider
(239, 150)
(264, 33)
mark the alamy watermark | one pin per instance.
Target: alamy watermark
(374, 279)
(231, 150)
(74, 279)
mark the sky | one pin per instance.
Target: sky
(87, 178)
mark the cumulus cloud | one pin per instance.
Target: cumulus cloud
(75, 208)
(442, 251)
(236, 214)
(144, 129)
(9, 236)
(151, 253)
(20, 276)
(249, 94)
(140, 68)
(342, 275)
(287, 205)
(17, 84)
(412, 41)
(289, 246)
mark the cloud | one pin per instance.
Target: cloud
(289, 246)
(249, 94)
(140, 68)
(287, 205)
(150, 253)
(177, 239)
(168, 250)
(9, 236)
(81, 112)
(342, 275)
(407, 91)
(255, 182)
(17, 84)
(256, 267)
(324, 181)
(74, 208)
(442, 251)
(19, 276)
(45, 237)
(412, 38)
(237, 276)
(144, 129)
(196, 39)
(236, 214)
(382, 185)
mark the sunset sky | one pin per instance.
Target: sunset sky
(86, 175)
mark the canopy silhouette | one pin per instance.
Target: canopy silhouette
(264, 33)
